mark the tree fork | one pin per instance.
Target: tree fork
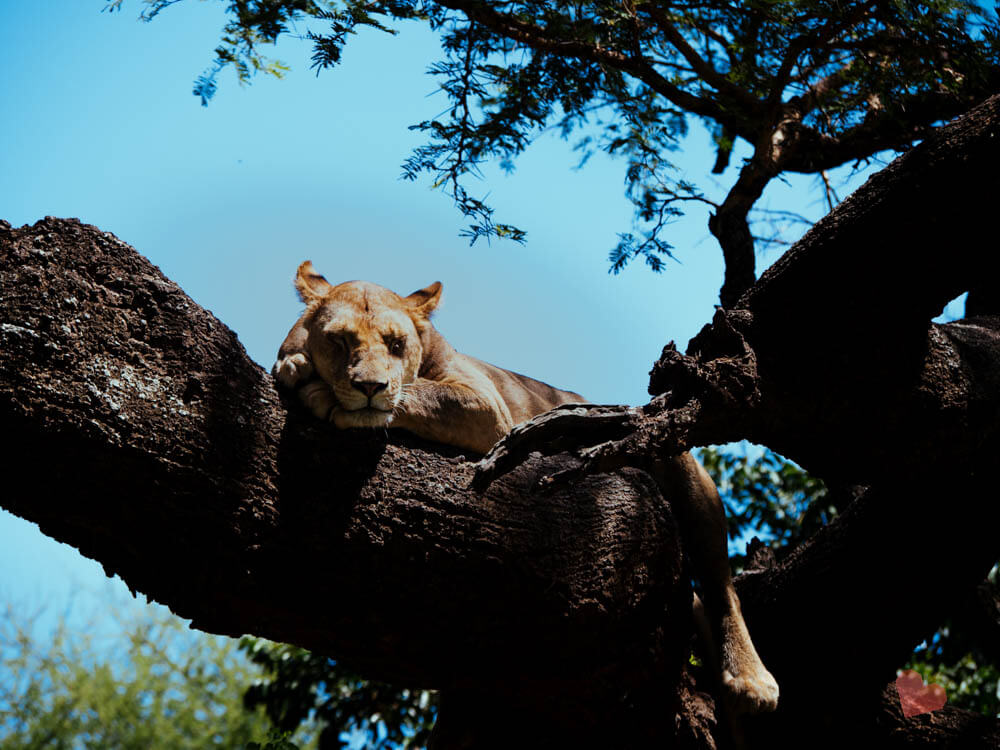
(833, 361)
(730, 227)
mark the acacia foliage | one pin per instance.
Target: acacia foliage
(299, 688)
(144, 682)
(767, 496)
(807, 84)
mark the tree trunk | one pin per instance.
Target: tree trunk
(146, 438)
(729, 225)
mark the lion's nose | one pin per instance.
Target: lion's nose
(368, 387)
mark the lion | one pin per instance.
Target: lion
(381, 363)
(362, 356)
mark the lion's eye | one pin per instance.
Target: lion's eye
(396, 347)
(336, 340)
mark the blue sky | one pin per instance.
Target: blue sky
(97, 121)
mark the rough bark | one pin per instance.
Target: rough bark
(146, 438)
(833, 361)
(730, 226)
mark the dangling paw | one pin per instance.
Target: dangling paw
(754, 690)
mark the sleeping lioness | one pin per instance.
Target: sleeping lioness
(363, 356)
(381, 363)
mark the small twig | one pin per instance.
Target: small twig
(832, 199)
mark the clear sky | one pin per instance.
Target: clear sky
(97, 121)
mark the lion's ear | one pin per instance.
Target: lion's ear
(424, 301)
(309, 284)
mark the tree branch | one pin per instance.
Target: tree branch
(535, 37)
(834, 363)
(145, 437)
(910, 118)
(701, 67)
(803, 298)
(817, 40)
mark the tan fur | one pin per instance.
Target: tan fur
(362, 356)
(358, 337)
(745, 683)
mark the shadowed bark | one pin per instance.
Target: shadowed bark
(144, 436)
(833, 361)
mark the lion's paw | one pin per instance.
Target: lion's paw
(293, 369)
(755, 691)
(319, 397)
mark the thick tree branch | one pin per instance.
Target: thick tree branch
(949, 727)
(146, 438)
(143, 435)
(834, 362)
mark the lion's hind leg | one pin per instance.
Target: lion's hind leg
(745, 683)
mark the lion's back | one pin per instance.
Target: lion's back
(526, 397)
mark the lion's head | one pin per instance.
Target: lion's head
(364, 341)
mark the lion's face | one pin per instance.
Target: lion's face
(364, 341)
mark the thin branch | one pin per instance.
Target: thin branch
(911, 118)
(468, 70)
(705, 71)
(718, 38)
(816, 39)
(828, 191)
(787, 215)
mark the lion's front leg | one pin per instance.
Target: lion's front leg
(747, 686)
(294, 365)
(294, 370)
(454, 413)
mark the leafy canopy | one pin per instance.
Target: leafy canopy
(807, 84)
(154, 684)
